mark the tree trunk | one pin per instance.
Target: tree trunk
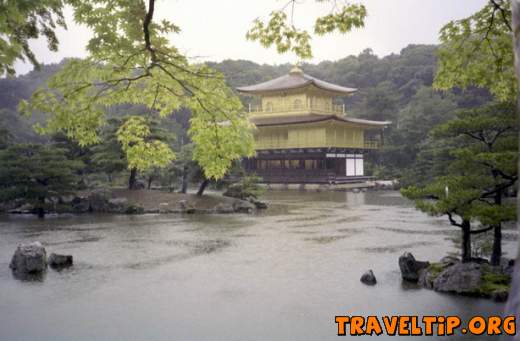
(497, 235)
(40, 209)
(497, 245)
(150, 179)
(466, 241)
(202, 187)
(184, 187)
(132, 179)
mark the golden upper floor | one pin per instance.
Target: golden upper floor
(297, 93)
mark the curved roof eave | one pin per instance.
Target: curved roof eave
(313, 118)
(291, 82)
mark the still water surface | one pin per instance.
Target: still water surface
(280, 275)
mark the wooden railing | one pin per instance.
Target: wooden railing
(303, 108)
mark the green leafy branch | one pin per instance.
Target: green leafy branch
(280, 31)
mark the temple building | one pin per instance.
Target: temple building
(304, 137)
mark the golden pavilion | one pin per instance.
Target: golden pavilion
(304, 137)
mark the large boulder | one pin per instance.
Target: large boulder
(410, 268)
(368, 278)
(29, 259)
(461, 278)
(57, 261)
(428, 275)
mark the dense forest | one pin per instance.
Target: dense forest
(397, 87)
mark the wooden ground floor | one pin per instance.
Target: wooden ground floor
(309, 166)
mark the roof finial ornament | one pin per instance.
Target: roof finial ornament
(296, 70)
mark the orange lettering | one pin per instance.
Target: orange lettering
(373, 326)
(493, 327)
(403, 325)
(356, 325)
(452, 323)
(341, 321)
(428, 324)
(415, 329)
(509, 325)
(390, 324)
(477, 325)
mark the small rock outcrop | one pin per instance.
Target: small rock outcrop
(29, 259)
(368, 278)
(475, 278)
(410, 268)
(57, 261)
(461, 278)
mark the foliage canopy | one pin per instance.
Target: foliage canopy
(131, 62)
(478, 51)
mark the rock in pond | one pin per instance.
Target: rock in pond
(29, 259)
(57, 261)
(368, 278)
(500, 295)
(461, 278)
(410, 267)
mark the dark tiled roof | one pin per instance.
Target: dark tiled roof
(294, 80)
(311, 118)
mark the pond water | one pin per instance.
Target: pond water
(281, 274)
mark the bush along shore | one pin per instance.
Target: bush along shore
(476, 278)
(123, 201)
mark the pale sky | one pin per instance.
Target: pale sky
(215, 29)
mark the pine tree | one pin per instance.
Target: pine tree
(484, 152)
(36, 174)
